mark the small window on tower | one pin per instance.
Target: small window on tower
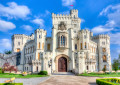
(39, 36)
(75, 46)
(18, 43)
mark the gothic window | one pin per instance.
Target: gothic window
(39, 45)
(75, 46)
(42, 45)
(105, 66)
(38, 56)
(48, 46)
(85, 44)
(103, 43)
(59, 41)
(104, 50)
(39, 36)
(37, 68)
(81, 46)
(18, 43)
(63, 40)
(104, 58)
(87, 67)
(85, 36)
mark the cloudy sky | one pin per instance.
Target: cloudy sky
(24, 16)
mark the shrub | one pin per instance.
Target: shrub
(43, 73)
(108, 81)
(11, 83)
(1, 71)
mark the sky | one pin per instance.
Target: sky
(24, 16)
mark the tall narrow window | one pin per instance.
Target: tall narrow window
(18, 43)
(48, 46)
(37, 68)
(75, 46)
(104, 58)
(38, 56)
(105, 66)
(81, 45)
(42, 45)
(85, 44)
(63, 40)
(87, 67)
(39, 36)
(39, 45)
(59, 41)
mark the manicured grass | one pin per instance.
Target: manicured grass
(6, 75)
(101, 74)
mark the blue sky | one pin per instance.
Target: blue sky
(24, 16)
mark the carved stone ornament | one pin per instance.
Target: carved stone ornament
(62, 26)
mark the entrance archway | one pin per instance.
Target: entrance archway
(62, 64)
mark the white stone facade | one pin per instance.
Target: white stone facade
(68, 49)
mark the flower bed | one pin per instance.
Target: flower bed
(11, 83)
(108, 81)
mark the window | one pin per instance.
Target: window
(103, 43)
(37, 68)
(18, 43)
(85, 44)
(81, 45)
(48, 46)
(104, 50)
(61, 41)
(38, 56)
(85, 36)
(87, 67)
(18, 49)
(42, 45)
(104, 58)
(105, 66)
(39, 45)
(39, 36)
(75, 46)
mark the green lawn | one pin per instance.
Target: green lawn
(101, 74)
(5, 75)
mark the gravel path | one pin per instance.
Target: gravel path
(27, 81)
(70, 80)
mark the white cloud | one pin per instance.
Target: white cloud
(68, 2)
(5, 26)
(44, 14)
(101, 29)
(13, 10)
(27, 27)
(82, 20)
(112, 12)
(5, 44)
(115, 38)
(39, 22)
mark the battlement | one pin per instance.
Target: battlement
(101, 36)
(40, 30)
(60, 15)
(84, 31)
(73, 11)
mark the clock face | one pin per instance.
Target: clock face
(104, 50)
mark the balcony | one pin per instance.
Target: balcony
(30, 62)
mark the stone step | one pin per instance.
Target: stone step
(63, 73)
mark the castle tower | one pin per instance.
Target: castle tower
(40, 36)
(104, 58)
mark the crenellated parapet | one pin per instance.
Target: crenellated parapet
(101, 36)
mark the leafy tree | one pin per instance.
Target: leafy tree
(115, 64)
(7, 51)
(104, 69)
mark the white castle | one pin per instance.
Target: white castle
(69, 48)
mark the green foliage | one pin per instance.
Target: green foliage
(11, 83)
(115, 64)
(1, 71)
(108, 81)
(104, 69)
(43, 73)
(7, 51)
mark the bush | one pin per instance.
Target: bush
(1, 71)
(11, 83)
(43, 73)
(108, 81)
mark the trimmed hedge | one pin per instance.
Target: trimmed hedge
(108, 81)
(11, 83)
(43, 73)
(1, 71)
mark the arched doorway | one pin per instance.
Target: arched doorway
(62, 64)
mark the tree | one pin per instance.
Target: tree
(104, 69)
(7, 51)
(115, 64)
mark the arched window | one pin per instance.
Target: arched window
(104, 58)
(75, 46)
(85, 44)
(61, 41)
